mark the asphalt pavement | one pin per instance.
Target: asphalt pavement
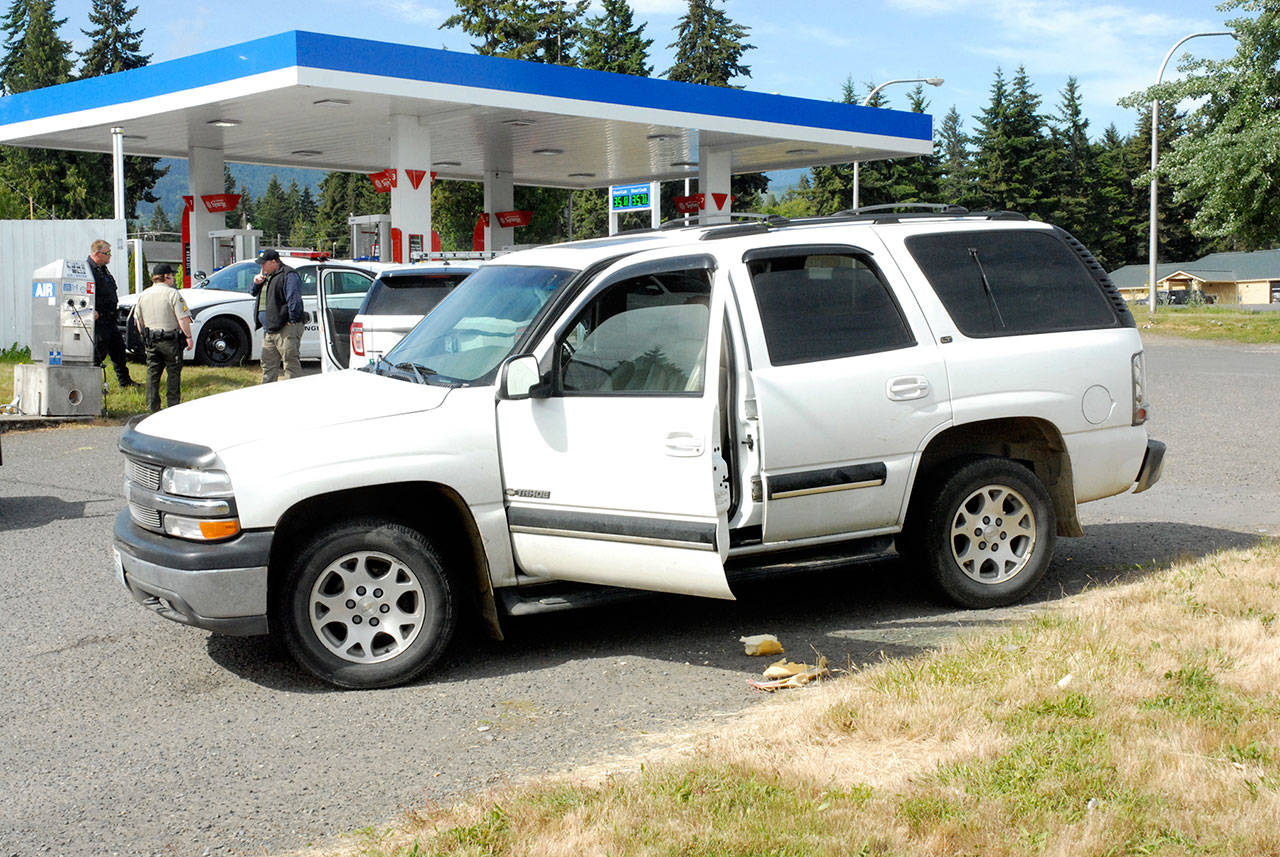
(124, 733)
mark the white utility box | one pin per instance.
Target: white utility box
(58, 391)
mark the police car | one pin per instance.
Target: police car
(223, 309)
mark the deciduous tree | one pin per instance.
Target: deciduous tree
(1228, 162)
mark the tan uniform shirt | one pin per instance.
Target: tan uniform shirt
(160, 306)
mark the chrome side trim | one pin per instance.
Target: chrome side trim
(611, 537)
(804, 492)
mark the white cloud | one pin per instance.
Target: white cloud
(1114, 49)
(659, 7)
(410, 11)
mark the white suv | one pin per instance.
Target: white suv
(659, 411)
(396, 301)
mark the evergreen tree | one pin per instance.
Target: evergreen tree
(272, 210)
(709, 46)
(611, 42)
(114, 46)
(557, 31)
(49, 183)
(1013, 153)
(538, 30)
(43, 58)
(956, 183)
(341, 195)
(14, 26)
(709, 49)
(1120, 208)
(1073, 191)
(159, 221)
(245, 214)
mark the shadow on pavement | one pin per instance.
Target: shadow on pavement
(29, 513)
(853, 615)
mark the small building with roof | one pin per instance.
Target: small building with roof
(1224, 278)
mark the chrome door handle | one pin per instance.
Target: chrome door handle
(908, 387)
(684, 444)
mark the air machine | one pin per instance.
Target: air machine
(63, 380)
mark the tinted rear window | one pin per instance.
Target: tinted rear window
(410, 294)
(1005, 283)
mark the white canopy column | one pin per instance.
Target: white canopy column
(411, 195)
(205, 166)
(713, 183)
(499, 195)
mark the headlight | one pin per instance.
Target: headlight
(195, 483)
(206, 530)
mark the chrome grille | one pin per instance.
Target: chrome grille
(143, 474)
(144, 517)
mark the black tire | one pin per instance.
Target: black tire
(988, 533)
(364, 575)
(224, 341)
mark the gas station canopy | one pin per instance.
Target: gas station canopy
(303, 99)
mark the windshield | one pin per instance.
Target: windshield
(233, 278)
(239, 278)
(475, 328)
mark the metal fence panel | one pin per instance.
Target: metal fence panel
(26, 245)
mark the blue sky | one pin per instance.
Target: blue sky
(805, 49)
(802, 48)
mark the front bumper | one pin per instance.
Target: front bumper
(1152, 465)
(220, 587)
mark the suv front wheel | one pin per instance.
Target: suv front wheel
(366, 605)
(989, 533)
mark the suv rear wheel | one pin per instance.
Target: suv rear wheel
(989, 533)
(366, 605)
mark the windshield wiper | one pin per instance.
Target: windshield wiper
(419, 371)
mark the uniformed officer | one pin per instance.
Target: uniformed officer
(164, 322)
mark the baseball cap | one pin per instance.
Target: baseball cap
(267, 256)
(162, 270)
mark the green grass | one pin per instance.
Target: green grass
(197, 382)
(1128, 722)
(1212, 323)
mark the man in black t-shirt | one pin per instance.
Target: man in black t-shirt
(106, 336)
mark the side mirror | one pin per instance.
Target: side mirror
(522, 379)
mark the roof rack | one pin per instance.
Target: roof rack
(755, 223)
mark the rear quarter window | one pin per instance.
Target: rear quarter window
(410, 294)
(1007, 282)
(824, 304)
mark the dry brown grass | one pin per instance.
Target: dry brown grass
(1139, 720)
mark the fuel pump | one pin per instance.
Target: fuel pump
(370, 237)
(234, 245)
(63, 380)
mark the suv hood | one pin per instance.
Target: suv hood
(291, 407)
(197, 298)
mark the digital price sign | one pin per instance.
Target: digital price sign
(630, 197)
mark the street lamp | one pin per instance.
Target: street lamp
(1154, 229)
(932, 81)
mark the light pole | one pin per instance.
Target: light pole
(1154, 229)
(932, 81)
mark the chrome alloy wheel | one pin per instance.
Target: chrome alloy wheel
(366, 607)
(993, 535)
